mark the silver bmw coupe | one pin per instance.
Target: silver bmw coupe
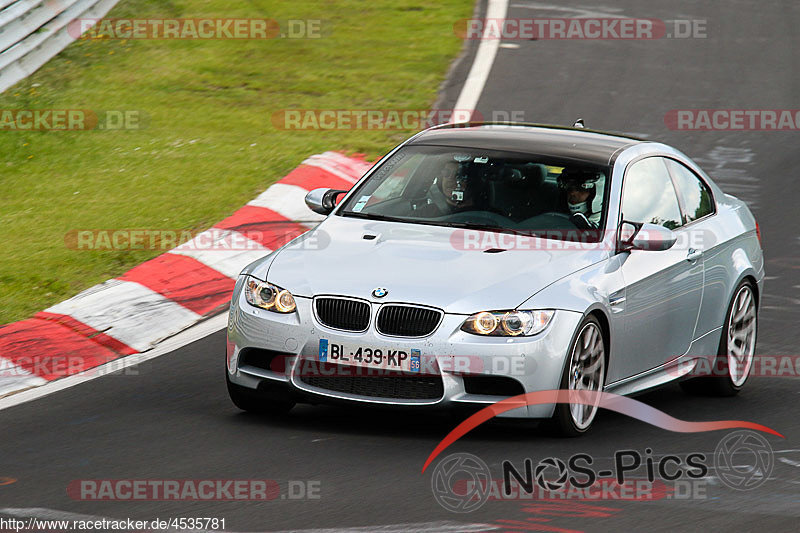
(477, 262)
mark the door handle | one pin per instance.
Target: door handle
(694, 255)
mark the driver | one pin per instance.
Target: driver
(455, 187)
(578, 190)
(451, 192)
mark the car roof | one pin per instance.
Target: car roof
(554, 141)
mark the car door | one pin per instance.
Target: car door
(698, 207)
(663, 289)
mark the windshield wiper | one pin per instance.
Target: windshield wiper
(374, 216)
(479, 227)
(444, 223)
(498, 229)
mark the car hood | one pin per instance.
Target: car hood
(420, 264)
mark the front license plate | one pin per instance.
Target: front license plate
(407, 360)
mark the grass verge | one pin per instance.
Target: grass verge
(208, 144)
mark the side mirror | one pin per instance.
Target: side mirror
(648, 237)
(322, 200)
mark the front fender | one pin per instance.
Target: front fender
(582, 291)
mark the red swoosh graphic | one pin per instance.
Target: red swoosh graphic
(606, 400)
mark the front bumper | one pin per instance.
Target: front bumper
(452, 356)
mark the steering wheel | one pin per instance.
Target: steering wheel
(484, 218)
(579, 220)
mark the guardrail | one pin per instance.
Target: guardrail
(33, 31)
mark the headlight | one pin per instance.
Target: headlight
(268, 296)
(508, 323)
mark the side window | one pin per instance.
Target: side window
(695, 195)
(648, 195)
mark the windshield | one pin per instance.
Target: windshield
(483, 189)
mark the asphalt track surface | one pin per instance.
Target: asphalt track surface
(174, 421)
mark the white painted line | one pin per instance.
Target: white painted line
(225, 251)
(194, 333)
(510, 46)
(484, 58)
(128, 312)
(289, 202)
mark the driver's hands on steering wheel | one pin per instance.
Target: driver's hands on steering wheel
(580, 220)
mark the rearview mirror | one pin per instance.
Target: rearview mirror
(322, 200)
(648, 237)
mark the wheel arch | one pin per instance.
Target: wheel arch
(605, 328)
(756, 292)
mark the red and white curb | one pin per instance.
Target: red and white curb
(161, 297)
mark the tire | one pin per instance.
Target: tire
(253, 401)
(589, 339)
(740, 326)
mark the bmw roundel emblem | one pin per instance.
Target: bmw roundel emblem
(380, 292)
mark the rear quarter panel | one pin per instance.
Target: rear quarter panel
(734, 254)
